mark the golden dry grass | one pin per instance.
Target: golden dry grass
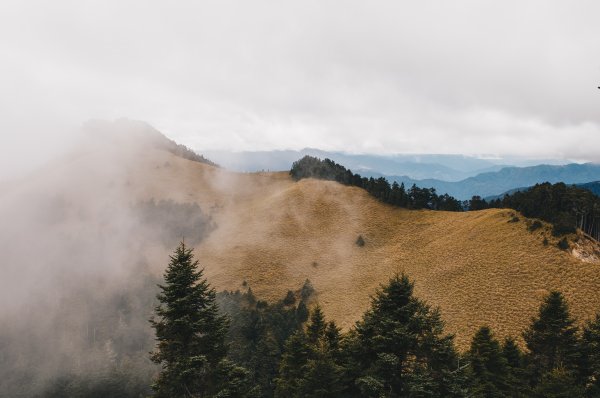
(274, 233)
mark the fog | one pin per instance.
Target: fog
(84, 239)
(81, 255)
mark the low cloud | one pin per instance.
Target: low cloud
(470, 77)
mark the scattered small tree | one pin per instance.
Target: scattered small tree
(360, 241)
(563, 244)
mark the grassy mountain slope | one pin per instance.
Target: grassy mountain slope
(274, 233)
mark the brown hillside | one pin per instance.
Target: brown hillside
(274, 233)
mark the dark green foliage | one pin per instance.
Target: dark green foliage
(316, 328)
(558, 383)
(290, 298)
(234, 381)
(476, 203)
(310, 364)
(563, 244)
(360, 241)
(552, 339)
(515, 368)
(399, 348)
(534, 226)
(380, 188)
(567, 207)
(190, 332)
(591, 355)
(258, 333)
(302, 312)
(293, 366)
(488, 365)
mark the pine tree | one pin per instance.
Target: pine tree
(316, 328)
(310, 363)
(189, 331)
(552, 338)
(293, 366)
(302, 312)
(591, 350)
(515, 367)
(332, 338)
(488, 366)
(399, 347)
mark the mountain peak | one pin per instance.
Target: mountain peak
(136, 134)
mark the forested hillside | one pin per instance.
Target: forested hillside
(567, 207)
(380, 188)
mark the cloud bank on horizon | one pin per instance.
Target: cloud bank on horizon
(471, 77)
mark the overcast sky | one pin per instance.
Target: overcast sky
(470, 77)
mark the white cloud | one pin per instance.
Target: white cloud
(472, 77)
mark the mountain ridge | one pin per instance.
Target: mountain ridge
(508, 178)
(457, 175)
(271, 233)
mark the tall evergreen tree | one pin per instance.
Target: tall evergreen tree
(190, 332)
(515, 367)
(293, 365)
(310, 364)
(591, 350)
(315, 330)
(552, 339)
(399, 347)
(488, 366)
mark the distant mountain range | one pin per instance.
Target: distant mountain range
(457, 175)
(417, 167)
(508, 178)
(591, 186)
